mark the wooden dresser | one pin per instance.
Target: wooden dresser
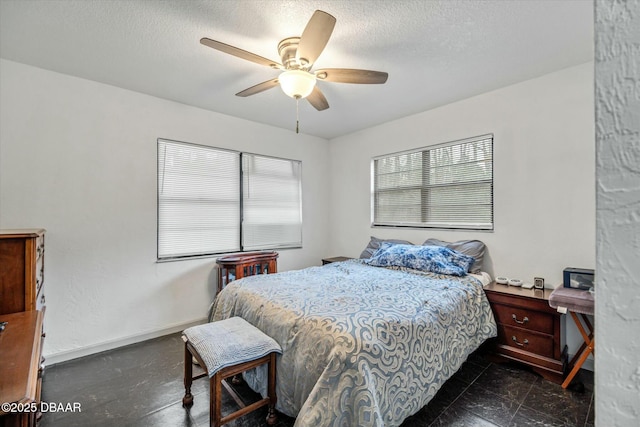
(21, 368)
(21, 270)
(236, 266)
(528, 329)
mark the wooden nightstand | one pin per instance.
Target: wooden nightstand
(237, 266)
(528, 330)
(326, 261)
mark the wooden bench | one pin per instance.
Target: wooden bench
(224, 349)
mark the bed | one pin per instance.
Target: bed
(362, 345)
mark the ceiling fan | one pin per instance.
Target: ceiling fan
(298, 55)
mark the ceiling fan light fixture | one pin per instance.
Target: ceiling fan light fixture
(297, 83)
(298, 55)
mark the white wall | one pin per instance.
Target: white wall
(544, 167)
(79, 159)
(617, 75)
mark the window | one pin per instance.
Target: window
(213, 201)
(444, 186)
(271, 203)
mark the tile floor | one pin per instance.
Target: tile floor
(141, 385)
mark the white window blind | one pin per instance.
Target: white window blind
(198, 200)
(208, 205)
(444, 186)
(271, 203)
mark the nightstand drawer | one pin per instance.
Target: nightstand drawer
(526, 340)
(523, 318)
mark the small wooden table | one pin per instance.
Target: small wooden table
(236, 266)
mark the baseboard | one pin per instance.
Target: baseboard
(63, 356)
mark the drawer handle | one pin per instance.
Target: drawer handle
(521, 322)
(521, 344)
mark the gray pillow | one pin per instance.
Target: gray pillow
(474, 248)
(374, 244)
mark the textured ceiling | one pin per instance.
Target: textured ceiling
(436, 52)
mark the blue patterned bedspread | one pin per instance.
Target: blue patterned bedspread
(362, 345)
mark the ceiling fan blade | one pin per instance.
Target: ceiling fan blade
(315, 37)
(260, 87)
(318, 100)
(232, 50)
(347, 75)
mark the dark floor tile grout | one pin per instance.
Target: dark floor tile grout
(443, 413)
(553, 416)
(591, 403)
(522, 403)
(168, 405)
(460, 394)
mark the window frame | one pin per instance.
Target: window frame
(425, 187)
(211, 254)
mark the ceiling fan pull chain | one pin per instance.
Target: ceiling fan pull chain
(297, 114)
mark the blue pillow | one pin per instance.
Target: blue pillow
(436, 259)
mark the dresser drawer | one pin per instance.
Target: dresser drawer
(523, 318)
(539, 344)
(21, 269)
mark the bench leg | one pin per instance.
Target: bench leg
(586, 348)
(579, 363)
(187, 400)
(215, 400)
(271, 415)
